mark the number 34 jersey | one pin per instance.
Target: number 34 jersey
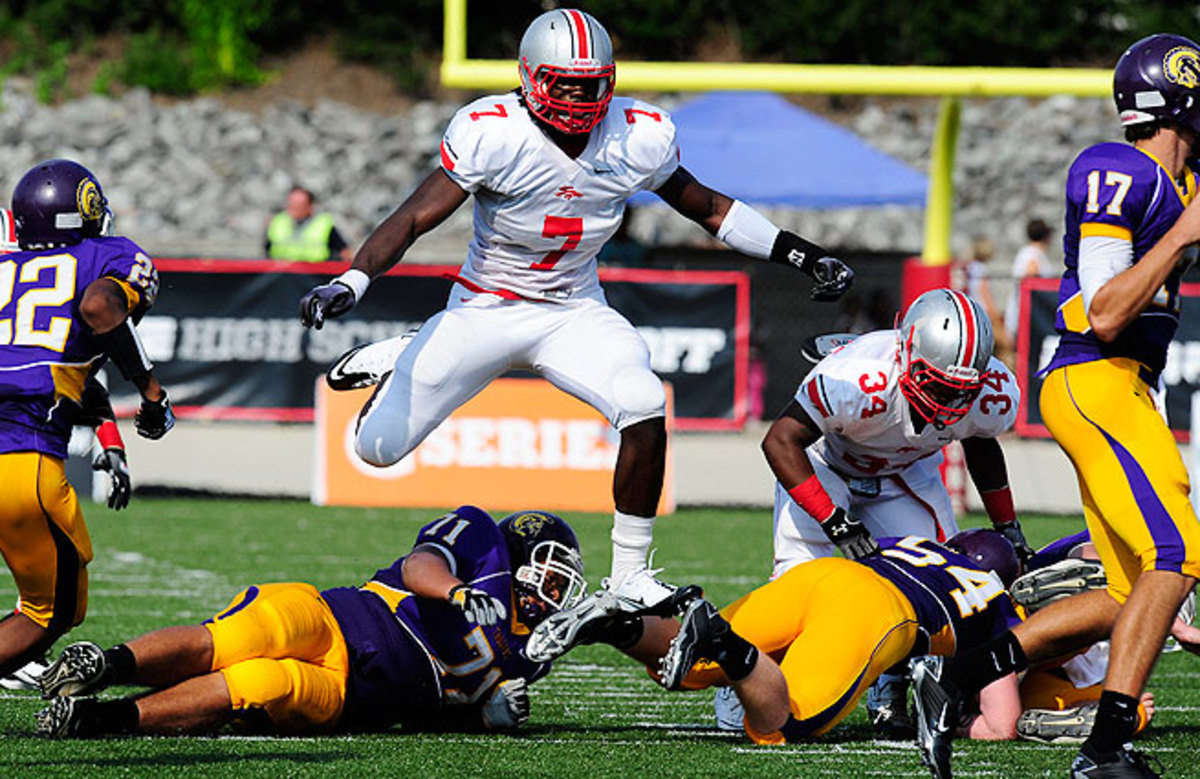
(854, 397)
(47, 351)
(540, 216)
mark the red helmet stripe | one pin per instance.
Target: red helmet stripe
(581, 33)
(970, 327)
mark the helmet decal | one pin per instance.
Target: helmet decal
(1181, 66)
(529, 524)
(89, 200)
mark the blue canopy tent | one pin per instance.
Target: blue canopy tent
(758, 147)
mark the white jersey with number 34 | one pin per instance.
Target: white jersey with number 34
(540, 216)
(854, 397)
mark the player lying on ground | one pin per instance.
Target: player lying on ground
(435, 637)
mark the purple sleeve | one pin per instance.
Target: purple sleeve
(470, 541)
(1058, 550)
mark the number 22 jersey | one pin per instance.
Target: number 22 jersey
(540, 216)
(47, 351)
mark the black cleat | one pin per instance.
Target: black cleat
(701, 629)
(79, 669)
(937, 714)
(1129, 764)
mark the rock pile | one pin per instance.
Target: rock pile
(193, 178)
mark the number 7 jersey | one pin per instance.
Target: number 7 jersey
(540, 216)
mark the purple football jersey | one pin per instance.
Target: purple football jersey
(1116, 190)
(47, 351)
(947, 592)
(473, 658)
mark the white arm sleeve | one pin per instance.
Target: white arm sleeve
(1100, 259)
(747, 231)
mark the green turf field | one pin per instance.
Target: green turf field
(163, 562)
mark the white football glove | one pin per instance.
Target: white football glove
(477, 605)
(508, 705)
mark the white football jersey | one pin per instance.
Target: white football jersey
(854, 397)
(540, 216)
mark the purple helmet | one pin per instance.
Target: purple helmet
(546, 565)
(990, 551)
(59, 203)
(1159, 78)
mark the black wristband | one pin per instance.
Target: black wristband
(791, 249)
(124, 348)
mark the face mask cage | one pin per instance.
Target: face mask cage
(940, 399)
(554, 576)
(571, 117)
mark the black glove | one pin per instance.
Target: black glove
(325, 302)
(113, 461)
(1012, 531)
(849, 535)
(154, 418)
(477, 605)
(832, 278)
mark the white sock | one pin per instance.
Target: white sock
(631, 538)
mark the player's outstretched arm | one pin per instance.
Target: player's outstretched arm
(749, 232)
(989, 472)
(433, 201)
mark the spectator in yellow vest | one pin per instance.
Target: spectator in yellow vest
(300, 235)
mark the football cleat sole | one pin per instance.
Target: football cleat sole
(1038, 589)
(77, 670)
(1051, 726)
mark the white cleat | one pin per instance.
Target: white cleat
(640, 592)
(25, 677)
(1051, 726)
(366, 365)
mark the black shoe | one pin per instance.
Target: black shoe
(59, 720)
(79, 669)
(937, 713)
(893, 725)
(701, 629)
(1129, 764)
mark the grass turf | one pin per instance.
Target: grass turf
(165, 562)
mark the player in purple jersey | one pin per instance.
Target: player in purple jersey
(1133, 222)
(801, 650)
(68, 299)
(435, 638)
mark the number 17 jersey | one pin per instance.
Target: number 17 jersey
(540, 216)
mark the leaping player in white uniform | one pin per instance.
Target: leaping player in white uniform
(551, 166)
(856, 452)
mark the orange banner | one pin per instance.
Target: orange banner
(521, 443)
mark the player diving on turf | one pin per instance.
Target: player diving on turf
(434, 639)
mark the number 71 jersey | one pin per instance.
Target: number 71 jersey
(541, 216)
(854, 397)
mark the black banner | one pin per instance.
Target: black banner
(1037, 341)
(227, 342)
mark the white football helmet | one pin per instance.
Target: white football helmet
(567, 44)
(945, 345)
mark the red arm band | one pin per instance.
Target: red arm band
(812, 497)
(999, 505)
(109, 436)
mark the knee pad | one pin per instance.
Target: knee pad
(638, 395)
(257, 684)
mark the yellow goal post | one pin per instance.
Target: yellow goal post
(950, 83)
